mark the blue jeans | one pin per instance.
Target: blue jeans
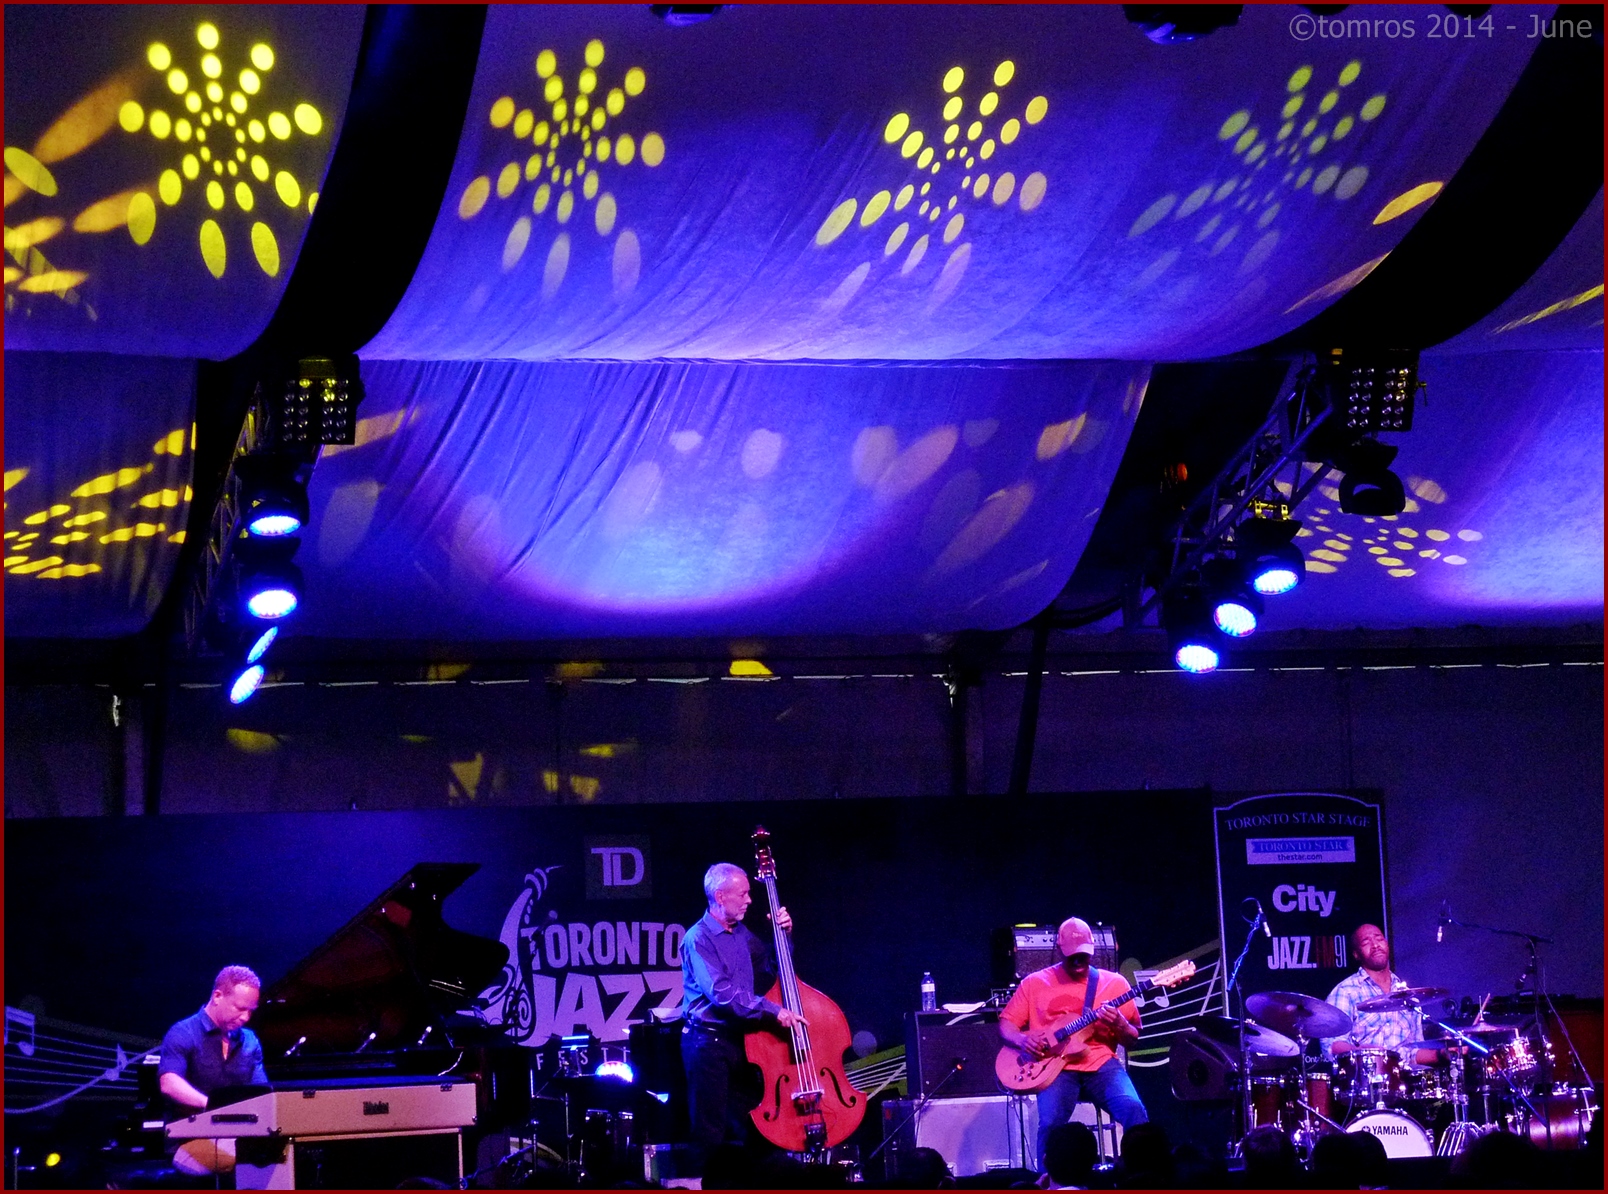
(1108, 1088)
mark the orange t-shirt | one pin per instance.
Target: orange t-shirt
(1048, 999)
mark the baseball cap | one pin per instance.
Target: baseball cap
(1074, 937)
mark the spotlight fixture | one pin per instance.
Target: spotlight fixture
(677, 15)
(270, 590)
(273, 495)
(1190, 633)
(1236, 609)
(615, 1068)
(1269, 560)
(261, 643)
(245, 683)
(1368, 486)
(316, 404)
(1170, 24)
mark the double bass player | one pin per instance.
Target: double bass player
(723, 967)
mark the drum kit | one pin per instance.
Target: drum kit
(1420, 1099)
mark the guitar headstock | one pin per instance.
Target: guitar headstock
(1174, 975)
(764, 864)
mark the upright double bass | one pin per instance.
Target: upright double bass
(809, 1104)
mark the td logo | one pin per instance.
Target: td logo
(618, 868)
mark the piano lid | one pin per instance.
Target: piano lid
(393, 970)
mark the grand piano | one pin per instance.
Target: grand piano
(373, 1043)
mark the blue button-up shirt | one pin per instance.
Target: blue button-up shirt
(1373, 1030)
(193, 1049)
(722, 971)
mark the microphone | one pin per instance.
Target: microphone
(367, 1041)
(1441, 922)
(300, 1041)
(957, 1064)
(1267, 929)
(429, 1028)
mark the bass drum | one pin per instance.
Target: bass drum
(1401, 1134)
(1562, 1120)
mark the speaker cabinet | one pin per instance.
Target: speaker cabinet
(977, 1134)
(1201, 1069)
(936, 1041)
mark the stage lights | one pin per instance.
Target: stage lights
(615, 1068)
(1269, 560)
(245, 683)
(1171, 24)
(1194, 639)
(259, 646)
(1367, 485)
(271, 590)
(272, 497)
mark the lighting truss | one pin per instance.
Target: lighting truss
(1249, 483)
(293, 413)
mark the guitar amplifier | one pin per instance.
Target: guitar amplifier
(1022, 949)
(936, 1041)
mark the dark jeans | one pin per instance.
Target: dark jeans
(1108, 1088)
(718, 1094)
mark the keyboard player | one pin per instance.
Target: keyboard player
(210, 1050)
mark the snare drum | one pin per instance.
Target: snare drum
(1373, 1077)
(1400, 1133)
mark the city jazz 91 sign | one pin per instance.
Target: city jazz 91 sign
(1315, 862)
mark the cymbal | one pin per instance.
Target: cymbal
(1404, 998)
(1469, 1023)
(1259, 1039)
(1298, 1015)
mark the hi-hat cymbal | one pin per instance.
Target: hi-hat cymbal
(1403, 999)
(1298, 1015)
(1259, 1039)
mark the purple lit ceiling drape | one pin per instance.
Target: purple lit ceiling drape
(162, 162)
(505, 499)
(899, 182)
(98, 466)
(1504, 468)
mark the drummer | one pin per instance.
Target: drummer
(1373, 980)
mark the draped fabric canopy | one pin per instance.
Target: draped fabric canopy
(807, 319)
(846, 182)
(1504, 470)
(162, 164)
(502, 500)
(98, 467)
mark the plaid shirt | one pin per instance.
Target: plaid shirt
(1373, 1030)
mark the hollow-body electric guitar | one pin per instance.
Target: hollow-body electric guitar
(1023, 1070)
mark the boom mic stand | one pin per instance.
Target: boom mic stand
(1534, 976)
(921, 1105)
(1234, 1148)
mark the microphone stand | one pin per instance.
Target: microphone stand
(921, 1105)
(1235, 1146)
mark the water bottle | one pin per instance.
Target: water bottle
(929, 992)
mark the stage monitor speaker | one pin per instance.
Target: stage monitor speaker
(1201, 1069)
(976, 1134)
(936, 1041)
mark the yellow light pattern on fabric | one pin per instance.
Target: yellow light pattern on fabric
(568, 156)
(1255, 150)
(254, 79)
(1574, 300)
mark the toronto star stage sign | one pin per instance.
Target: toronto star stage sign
(1313, 861)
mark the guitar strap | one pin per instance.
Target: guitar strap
(1088, 992)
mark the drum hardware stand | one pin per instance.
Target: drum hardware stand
(1461, 1131)
(1235, 1144)
(1534, 976)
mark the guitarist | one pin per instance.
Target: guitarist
(1049, 998)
